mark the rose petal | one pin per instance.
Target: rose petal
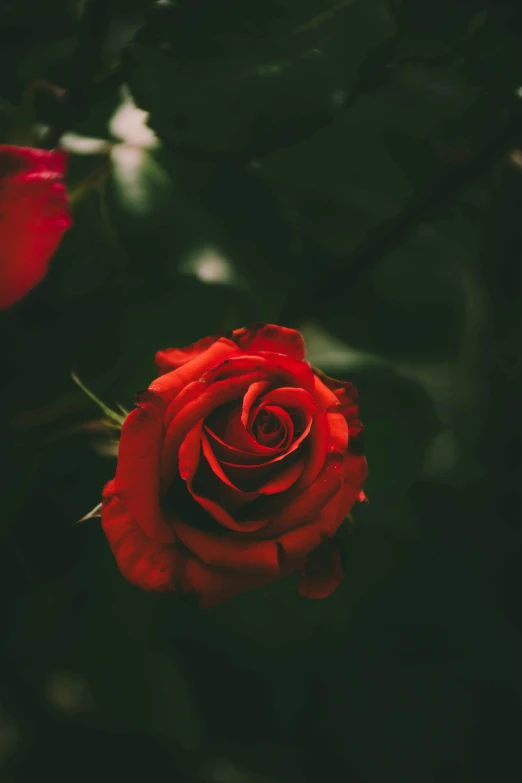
(224, 451)
(345, 391)
(211, 586)
(355, 470)
(283, 434)
(214, 395)
(290, 397)
(252, 394)
(268, 479)
(302, 540)
(169, 568)
(221, 515)
(278, 367)
(145, 562)
(263, 554)
(230, 550)
(234, 495)
(227, 426)
(172, 358)
(346, 395)
(284, 479)
(34, 214)
(338, 427)
(190, 451)
(298, 400)
(306, 506)
(169, 385)
(189, 460)
(318, 443)
(324, 395)
(225, 382)
(137, 472)
(322, 573)
(269, 337)
(186, 395)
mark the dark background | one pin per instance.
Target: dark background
(348, 168)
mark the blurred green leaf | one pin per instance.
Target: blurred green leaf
(248, 80)
(400, 421)
(412, 308)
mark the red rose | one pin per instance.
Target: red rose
(236, 468)
(33, 217)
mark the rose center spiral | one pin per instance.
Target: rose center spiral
(270, 427)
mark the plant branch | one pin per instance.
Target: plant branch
(92, 33)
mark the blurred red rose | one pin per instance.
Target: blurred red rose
(33, 217)
(236, 468)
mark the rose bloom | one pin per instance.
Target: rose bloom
(33, 217)
(237, 467)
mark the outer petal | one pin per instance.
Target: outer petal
(34, 214)
(345, 391)
(338, 428)
(169, 385)
(346, 395)
(355, 474)
(137, 471)
(168, 567)
(278, 367)
(324, 394)
(323, 572)
(231, 550)
(211, 586)
(172, 358)
(269, 337)
(302, 540)
(143, 561)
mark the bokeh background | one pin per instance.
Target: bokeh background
(349, 168)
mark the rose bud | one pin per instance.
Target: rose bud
(33, 217)
(237, 467)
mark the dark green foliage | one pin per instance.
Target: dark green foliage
(357, 165)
